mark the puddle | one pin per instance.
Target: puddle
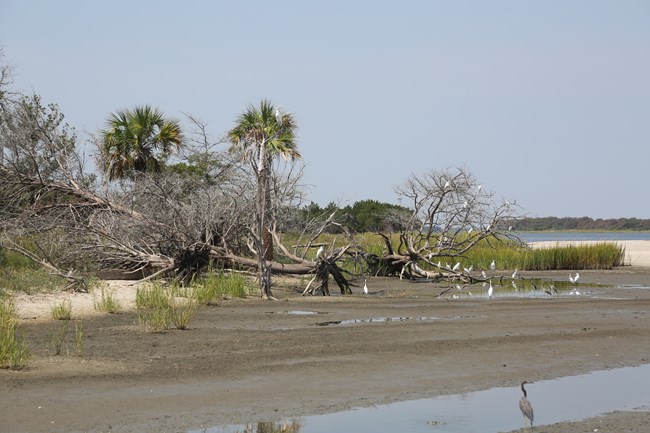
(297, 312)
(633, 286)
(519, 288)
(494, 410)
(375, 320)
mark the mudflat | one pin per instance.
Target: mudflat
(249, 360)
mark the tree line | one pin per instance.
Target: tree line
(580, 223)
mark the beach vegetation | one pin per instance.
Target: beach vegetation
(62, 311)
(13, 351)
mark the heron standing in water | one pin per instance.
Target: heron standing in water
(526, 407)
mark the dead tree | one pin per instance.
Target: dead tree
(451, 214)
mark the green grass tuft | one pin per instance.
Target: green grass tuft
(63, 311)
(13, 352)
(108, 303)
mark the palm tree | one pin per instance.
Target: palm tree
(137, 140)
(262, 134)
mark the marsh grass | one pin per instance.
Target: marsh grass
(13, 352)
(588, 256)
(512, 255)
(79, 337)
(62, 311)
(28, 280)
(107, 303)
(58, 339)
(181, 312)
(217, 286)
(161, 308)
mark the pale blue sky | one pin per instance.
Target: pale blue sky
(546, 102)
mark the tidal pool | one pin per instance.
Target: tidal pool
(494, 410)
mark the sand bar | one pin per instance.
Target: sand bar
(637, 252)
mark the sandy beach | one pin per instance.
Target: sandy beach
(247, 360)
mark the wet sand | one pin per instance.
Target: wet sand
(247, 360)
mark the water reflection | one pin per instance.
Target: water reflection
(374, 320)
(517, 288)
(292, 426)
(494, 410)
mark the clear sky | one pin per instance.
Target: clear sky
(546, 102)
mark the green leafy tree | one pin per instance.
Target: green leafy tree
(138, 140)
(262, 134)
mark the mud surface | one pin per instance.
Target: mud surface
(249, 360)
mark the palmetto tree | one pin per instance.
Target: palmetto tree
(263, 133)
(137, 140)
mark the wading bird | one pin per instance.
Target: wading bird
(574, 279)
(319, 252)
(365, 286)
(490, 290)
(493, 266)
(514, 274)
(525, 407)
(278, 116)
(456, 266)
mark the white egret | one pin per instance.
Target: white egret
(490, 290)
(471, 229)
(493, 266)
(525, 407)
(447, 185)
(514, 274)
(574, 279)
(483, 275)
(319, 252)
(456, 267)
(365, 286)
(278, 116)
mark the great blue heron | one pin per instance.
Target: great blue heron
(525, 406)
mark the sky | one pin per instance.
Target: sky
(545, 102)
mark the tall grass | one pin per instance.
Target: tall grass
(161, 308)
(28, 280)
(13, 352)
(506, 254)
(217, 286)
(587, 256)
(107, 302)
(62, 311)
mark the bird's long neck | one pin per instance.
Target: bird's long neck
(524, 389)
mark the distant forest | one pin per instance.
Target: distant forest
(582, 223)
(372, 215)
